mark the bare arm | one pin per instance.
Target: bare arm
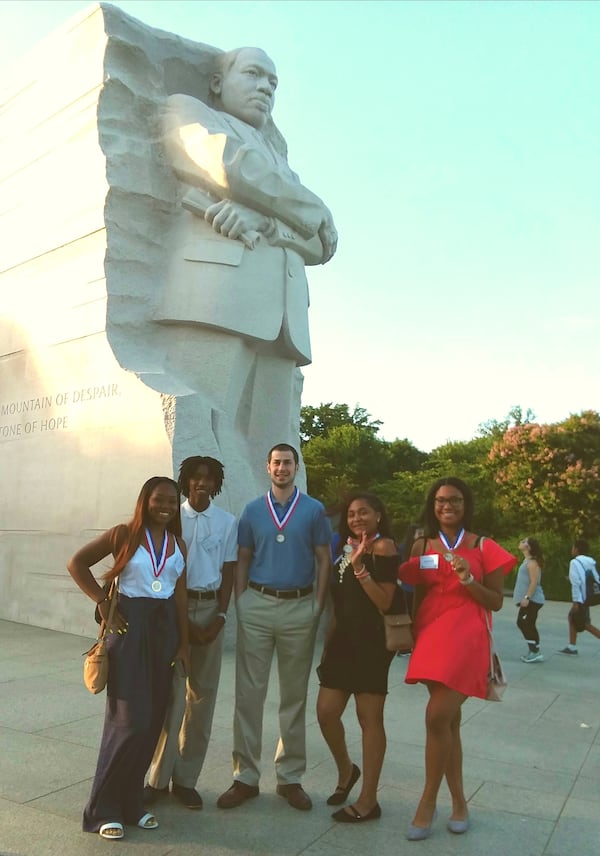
(79, 566)
(241, 573)
(490, 592)
(206, 635)
(323, 566)
(381, 594)
(227, 574)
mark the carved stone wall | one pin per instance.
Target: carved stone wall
(85, 206)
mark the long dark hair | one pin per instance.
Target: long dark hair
(535, 551)
(134, 531)
(431, 523)
(373, 502)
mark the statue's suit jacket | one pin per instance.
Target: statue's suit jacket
(260, 294)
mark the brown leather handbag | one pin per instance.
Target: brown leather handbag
(95, 666)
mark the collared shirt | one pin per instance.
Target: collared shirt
(283, 564)
(577, 570)
(211, 540)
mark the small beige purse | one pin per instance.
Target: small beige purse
(95, 666)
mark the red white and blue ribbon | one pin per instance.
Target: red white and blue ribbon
(281, 524)
(158, 565)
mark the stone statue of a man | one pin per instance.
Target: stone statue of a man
(236, 286)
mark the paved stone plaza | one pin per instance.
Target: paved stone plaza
(532, 763)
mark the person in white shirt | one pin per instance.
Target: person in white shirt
(210, 534)
(579, 614)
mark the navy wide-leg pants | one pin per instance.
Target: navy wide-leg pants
(138, 691)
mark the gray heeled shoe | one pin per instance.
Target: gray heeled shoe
(459, 827)
(420, 833)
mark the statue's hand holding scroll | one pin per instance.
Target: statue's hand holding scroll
(236, 221)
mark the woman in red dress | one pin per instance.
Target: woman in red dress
(463, 577)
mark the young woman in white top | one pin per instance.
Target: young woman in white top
(149, 634)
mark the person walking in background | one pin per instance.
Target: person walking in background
(579, 614)
(283, 541)
(210, 534)
(529, 597)
(355, 659)
(150, 638)
(463, 576)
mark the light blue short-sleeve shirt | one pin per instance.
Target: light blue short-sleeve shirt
(284, 564)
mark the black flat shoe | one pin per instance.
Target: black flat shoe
(342, 816)
(340, 795)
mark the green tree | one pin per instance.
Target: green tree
(319, 421)
(496, 429)
(345, 458)
(547, 476)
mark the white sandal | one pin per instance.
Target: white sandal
(148, 821)
(112, 831)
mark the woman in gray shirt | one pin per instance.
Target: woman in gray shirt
(529, 597)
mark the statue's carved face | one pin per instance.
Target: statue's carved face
(247, 89)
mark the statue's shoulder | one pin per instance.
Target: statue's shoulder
(183, 109)
(187, 104)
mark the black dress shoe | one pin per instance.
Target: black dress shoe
(343, 816)
(340, 795)
(152, 794)
(187, 796)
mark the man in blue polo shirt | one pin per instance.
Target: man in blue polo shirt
(283, 541)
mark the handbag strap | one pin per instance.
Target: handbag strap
(112, 596)
(493, 649)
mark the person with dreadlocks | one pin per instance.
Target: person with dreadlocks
(210, 534)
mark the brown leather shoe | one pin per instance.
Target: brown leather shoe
(237, 794)
(296, 796)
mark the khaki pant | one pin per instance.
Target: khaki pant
(266, 625)
(183, 742)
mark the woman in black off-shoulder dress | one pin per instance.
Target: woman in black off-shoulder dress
(355, 660)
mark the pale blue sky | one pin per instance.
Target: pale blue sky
(457, 145)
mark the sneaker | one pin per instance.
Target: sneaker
(187, 796)
(533, 657)
(567, 650)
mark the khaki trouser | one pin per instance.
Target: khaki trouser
(183, 742)
(266, 625)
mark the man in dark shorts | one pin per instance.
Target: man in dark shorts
(579, 614)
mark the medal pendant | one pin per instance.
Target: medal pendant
(280, 538)
(156, 585)
(448, 556)
(347, 549)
